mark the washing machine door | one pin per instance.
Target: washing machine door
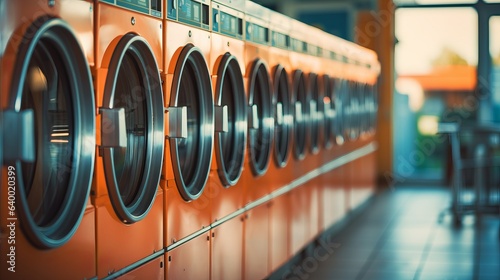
(301, 114)
(373, 106)
(283, 116)
(340, 108)
(354, 115)
(49, 133)
(328, 111)
(348, 110)
(230, 120)
(132, 126)
(191, 149)
(261, 122)
(314, 105)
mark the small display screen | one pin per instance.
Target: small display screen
(281, 40)
(257, 33)
(150, 7)
(231, 25)
(193, 13)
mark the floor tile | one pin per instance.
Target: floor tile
(398, 237)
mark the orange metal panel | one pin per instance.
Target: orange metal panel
(177, 35)
(299, 223)
(227, 250)
(190, 260)
(114, 22)
(315, 207)
(119, 244)
(278, 232)
(332, 197)
(363, 178)
(256, 243)
(33, 263)
(154, 269)
(183, 218)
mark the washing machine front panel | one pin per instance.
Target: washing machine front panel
(301, 114)
(47, 108)
(130, 134)
(229, 91)
(190, 115)
(228, 67)
(48, 103)
(280, 170)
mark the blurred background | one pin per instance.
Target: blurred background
(444, 57)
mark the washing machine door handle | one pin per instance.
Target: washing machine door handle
(113, 128)
(298, 111)
(279, 113)
(254, 117)
(177, 122)
(221, 118)
(18, 132)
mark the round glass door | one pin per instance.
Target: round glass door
(315, 107)
(328, 109)
(261, 123)
(230, 120)
(283, 113)
(301, 112)
(52, 84)
(341, 117)
(192, 155)
(133, 169)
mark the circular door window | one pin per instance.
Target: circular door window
(301, 112)
(314, 108)
(133, 168)
(283, 112)
(261, 123)
(328, 110)
(363, 119)
(340, 106)
(52, 82)
(354, 116)
(373, 107)
(230, 120)
(348, 111)
(192, 155)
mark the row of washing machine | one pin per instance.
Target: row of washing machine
(138, 133)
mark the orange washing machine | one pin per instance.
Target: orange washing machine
(190, 138)
(260, 137)
(130, 137)
(281, 168)
(227, 66)
(362, 187)
(303, 161)
(332, 192)
(47, 105)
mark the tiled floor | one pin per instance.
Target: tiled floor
(398, 237)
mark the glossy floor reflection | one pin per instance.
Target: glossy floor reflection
(398, 236)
